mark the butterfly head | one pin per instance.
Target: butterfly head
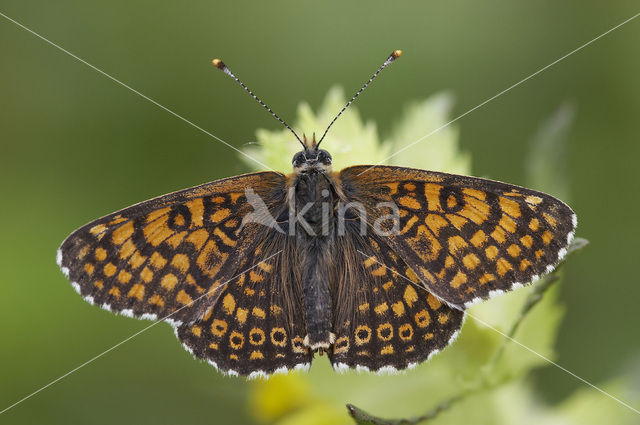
(311, 159)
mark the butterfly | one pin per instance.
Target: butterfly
(372, 265)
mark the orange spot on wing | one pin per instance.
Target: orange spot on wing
(534, 224)
(381, 308)
(479, 238)
(109, 269)
(435, 223)
(157, 260)
(457, 221)
(157, 213)
(507, 223)
(432, 193)
(176, 239)
(549, 219)
(146, 275)
(180, 262)
(198, 238)
(513, 250)
(491, 252)
(410, 295)
(255, 277)
(380, 271)
(97, 229)
(433, 302)
(122, 233)
(398, 308)
(100, 254)
(196, 208)
(458, 280)
(470, 261)
(457, 243)
(526, 241)
(136, 291)
(486, 278)
(157, 231)
(229, 304)
(475, 193)
(169, 281)
(183, 298)
(127, 249)
(124, 277)
(387, 349)
(256, 355)
(241, 315)
(223, 237)
(524, 264)
(533, 200)
(409, 187)
(156, 300)
(210, 259)
(412, 275)
(409, 202)
(503, 266)
(475, 210)
(220, 215)
(499, 235)
(509, 206)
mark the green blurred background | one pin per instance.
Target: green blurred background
(75, 145)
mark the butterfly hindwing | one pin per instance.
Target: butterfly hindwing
(386, 320)
(466, 238)
(161, 256)
(256, 327)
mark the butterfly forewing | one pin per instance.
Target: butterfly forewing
(166, 256)
(257, 327)
(465, 238)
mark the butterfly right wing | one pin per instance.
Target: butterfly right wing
(466, 238)
(384, 318)
(160, 257)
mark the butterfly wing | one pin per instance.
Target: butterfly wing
(465, 238)
(384, 318)
(256, 327)
(169, 254)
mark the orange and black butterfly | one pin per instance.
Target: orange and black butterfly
(373, 265)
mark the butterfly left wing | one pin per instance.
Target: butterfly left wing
(256, 328)
(465, 238)
(166, 256)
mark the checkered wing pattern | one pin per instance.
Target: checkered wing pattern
(465, 238)
(167, 256)
(385, 320)
(256, 328)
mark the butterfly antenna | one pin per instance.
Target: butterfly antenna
(392, 57)
(221, 66)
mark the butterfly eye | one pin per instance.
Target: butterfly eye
(298, 159)
(324, 157)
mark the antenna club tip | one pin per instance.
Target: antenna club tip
(396, 54)
(218, 63)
